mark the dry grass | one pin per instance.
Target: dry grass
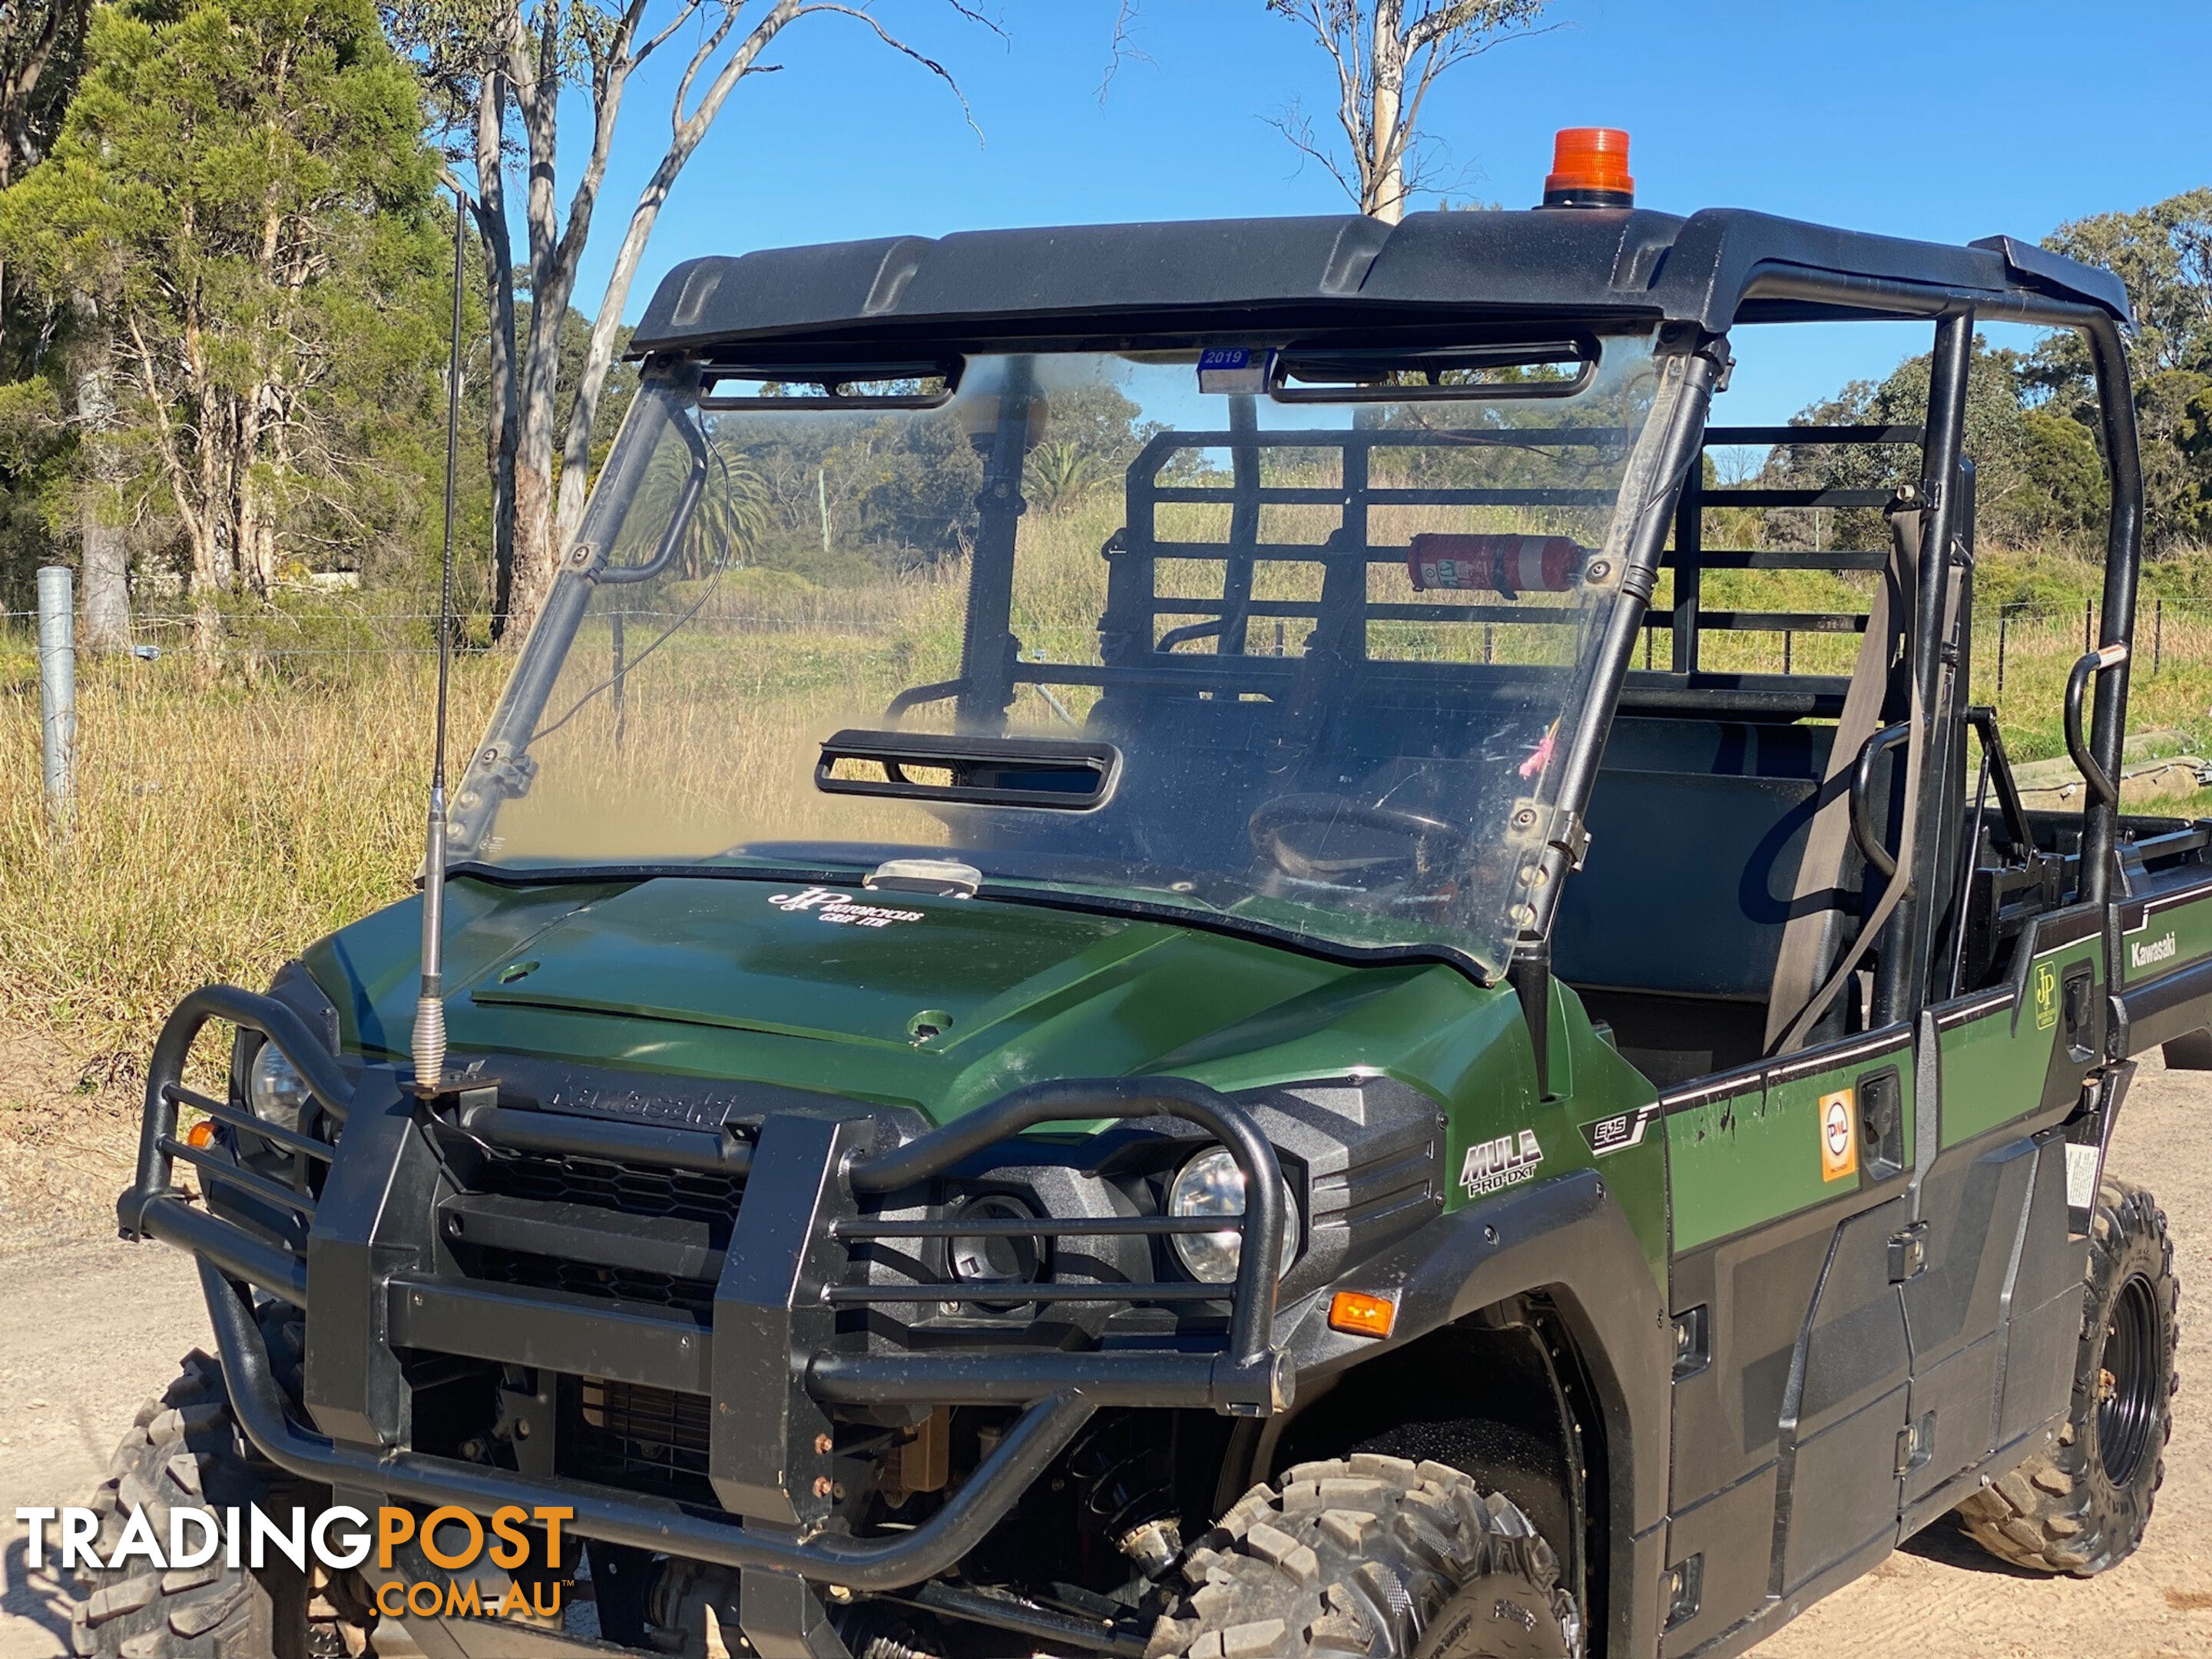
(222, 822)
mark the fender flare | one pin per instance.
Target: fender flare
(1569, 1239)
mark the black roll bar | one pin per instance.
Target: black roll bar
(1252, 1316)
(152, 1208)
(2123, 529)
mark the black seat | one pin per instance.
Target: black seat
(1672, 927)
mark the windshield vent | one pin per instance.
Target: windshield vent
(1058, 774)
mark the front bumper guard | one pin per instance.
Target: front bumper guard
(770, 1359)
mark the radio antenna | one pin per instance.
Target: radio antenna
(430, 1002)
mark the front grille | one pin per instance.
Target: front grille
(547, 1273)
(639, 1438)
(630, 1188)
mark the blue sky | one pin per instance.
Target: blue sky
(1948, 120)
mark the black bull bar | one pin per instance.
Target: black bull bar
(355, 1255)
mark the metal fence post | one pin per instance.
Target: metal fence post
(2157, 635)
(2004, 618)
(2088, 624)
(57, 691)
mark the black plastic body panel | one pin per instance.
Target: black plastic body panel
(1206, 276)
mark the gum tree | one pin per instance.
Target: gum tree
(502, 67)
(1389, 55)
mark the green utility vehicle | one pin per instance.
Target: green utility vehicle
(1351, 1071)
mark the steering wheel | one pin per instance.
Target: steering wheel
(1432, 845)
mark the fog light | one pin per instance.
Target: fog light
(275, 1089)
(994, 1259)
(1211, 1184)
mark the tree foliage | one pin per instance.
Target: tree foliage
(2163, 252)
(2032, 419)
(40, 45)
(2023, 459)
(239, 189)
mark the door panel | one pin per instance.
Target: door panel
(1732, 1534)
(1993, 1318)
(1973, 1209)
(2001, 1058)
(1855, 1349)
(1846, 1489)
(1957, 1399)
(1782, 1241)
(1728, 1414)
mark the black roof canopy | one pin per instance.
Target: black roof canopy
(1195, 279)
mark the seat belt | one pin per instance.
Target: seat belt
(1917, 759)
(1809, 936)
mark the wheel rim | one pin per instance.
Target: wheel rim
(2127, 1382)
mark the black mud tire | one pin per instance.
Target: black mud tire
(184, 1450)
(1377, 1556)
(2081, 1506)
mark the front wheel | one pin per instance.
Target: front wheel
(186, 1450)
(2083, 1506)
(1374, 1556)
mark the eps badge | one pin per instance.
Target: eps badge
(1839, 1145)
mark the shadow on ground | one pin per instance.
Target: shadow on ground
(34, 1595)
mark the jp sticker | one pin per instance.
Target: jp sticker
(829, 905)
(1504, 1162)
(2046, 995)
(1839, 1145)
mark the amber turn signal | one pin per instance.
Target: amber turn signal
(1589, 168)
(200, 1135)
(1357, 1314)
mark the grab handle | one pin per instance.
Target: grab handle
(1862, 787)
(2091, 664)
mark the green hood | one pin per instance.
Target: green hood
(942, 1003)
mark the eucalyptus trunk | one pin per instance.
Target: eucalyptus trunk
(104, 552)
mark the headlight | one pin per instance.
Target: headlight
(1211, 1184)
(993, 1260)
(275, 1089)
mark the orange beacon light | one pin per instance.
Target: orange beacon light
(1589, 168)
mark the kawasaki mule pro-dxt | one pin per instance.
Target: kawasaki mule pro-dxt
(1134, 968)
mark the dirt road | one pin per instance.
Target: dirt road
(88, 1329)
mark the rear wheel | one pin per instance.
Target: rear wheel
(2083, 1506)
(1376, 1556)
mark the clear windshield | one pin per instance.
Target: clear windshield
(1297, 654)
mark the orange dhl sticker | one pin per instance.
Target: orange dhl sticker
(1839, 1143)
